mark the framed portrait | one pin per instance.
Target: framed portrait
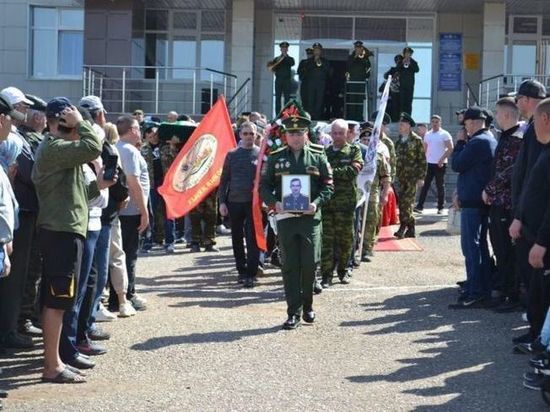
(296, 193)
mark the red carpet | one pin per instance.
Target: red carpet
(388, 243)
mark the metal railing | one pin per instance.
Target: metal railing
(493, 88)
(160, 89)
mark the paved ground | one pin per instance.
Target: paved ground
(386, 342)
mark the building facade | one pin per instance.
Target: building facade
(162, 55)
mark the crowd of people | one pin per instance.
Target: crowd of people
(79, 202)
(325, 94)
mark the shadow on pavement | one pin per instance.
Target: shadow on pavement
(198, 338)
(474, 346)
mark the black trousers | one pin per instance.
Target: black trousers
(505, 275)
(538, 300)
(13, 286)
(406, 99)
(242, 226)
(434, 171)
(282, 89)
(316, 99)
(130, 243)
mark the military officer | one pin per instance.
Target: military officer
(296, 200)
(407, 71)
(281, 65)
(358, 71)
(339, 213)
(302, 67)
(299, 234)
(316, 74)
(411, 169)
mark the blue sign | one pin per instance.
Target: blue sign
(450, 62)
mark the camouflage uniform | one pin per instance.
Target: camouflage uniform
(339, 212)
(411, 167)
(207, 211)
(373, 212)
(391, 148)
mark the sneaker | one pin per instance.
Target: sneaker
(103, 315)
(418, 210)
(524, 317)
(439, 211)
(30, 330)
(91, 349)
(469, 303)
(169, 249)
(222, 230)
(138, 302)
(532, 376)
(126, 310)
(96, 333)
(525, 338)
(541, 360)
(345, 279)
(211, 248)
(535, 385)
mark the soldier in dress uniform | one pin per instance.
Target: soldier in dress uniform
(281, 65)
(358, 70)
(302, 68)
(299, 234)
(295, 200)
(407, 71)
(339, 213)
(316, 74)
(411, 169)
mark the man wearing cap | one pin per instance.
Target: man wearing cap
(411, 169)
(358, 71)
(528, 96)
(438, 144)
(472, 161)
(299, 234)
(394, 102)
(62, 222)
(316, 74)
(338, 214)
(407, 72)
(302, 69)
(280, 66)
(12, 287)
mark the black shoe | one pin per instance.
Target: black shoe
(523, 349)
(80, 362)
(308, 316)
(325, 284)
(241, 277)
(91, 349)
(418, 210)
(400, 232)
(525, 338)
(292, 322)
(15, 340)
(317, 287)
(469, 303)
(535, 384)
(248, 283)
(98, 334)
(195, 248)
(532, 376)
(345, 279)
(439, 211)
(29, 329)
(211, 248)
(540, 361)
(508, 305)
(410, 233)
(366, 258)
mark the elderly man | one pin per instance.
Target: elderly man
(338, 214)
(472, 161)
(172, 117)
(62, 221)
(411, 169)
(299, 234)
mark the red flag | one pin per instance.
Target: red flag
(257, 201)
(197, 169)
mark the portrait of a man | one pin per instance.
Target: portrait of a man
(295, 193)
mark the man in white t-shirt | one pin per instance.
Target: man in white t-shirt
(438, 145)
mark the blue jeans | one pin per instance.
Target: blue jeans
(102, 264)
(473, 239)
(157, 206)
(545, 334)
(67, 344)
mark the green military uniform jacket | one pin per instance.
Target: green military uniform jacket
(59, 180)
(283, 69)
(391, 148)
(382, 175)
(346, 164)
(411, 159)
(299, 202)
(311, 161)
(34, 138)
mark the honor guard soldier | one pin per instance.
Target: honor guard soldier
(302, 68)
(358, 71)
(281, 65)
(299, 233)
(407, 71)
(316, 74)
(338, 215)
(411, 169)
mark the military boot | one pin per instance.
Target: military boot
(400, 234)
(410, 231)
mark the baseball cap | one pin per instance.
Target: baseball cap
(7, 108)
(533, 89)
(13, 96)
(92, 103)
(56, 106)
(475, 113)
(37, 103)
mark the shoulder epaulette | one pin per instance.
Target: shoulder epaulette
(279, 150)
(316, 148)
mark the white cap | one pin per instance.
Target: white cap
(13, 95)
(91, 103)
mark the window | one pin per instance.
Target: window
(57, 42)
